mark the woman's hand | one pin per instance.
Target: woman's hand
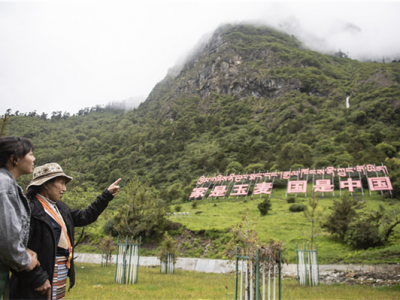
(34, 261)
(114, 188)
(45, 288)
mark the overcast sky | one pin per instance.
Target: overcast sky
(67, 55)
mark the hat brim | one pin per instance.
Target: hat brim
(40, 180)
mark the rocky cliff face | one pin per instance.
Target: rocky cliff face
(221, 68)
(226, 66)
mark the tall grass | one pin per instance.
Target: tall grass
(94, 282)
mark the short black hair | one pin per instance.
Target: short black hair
(13, 145)
(33, 190)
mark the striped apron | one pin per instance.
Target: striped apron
(60, 278)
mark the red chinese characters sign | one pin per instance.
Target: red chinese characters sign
(263, 188)
(262, 183)
(240, 190)
(380, 184)
(219, 191)
(350, 184)
(323, 185)
(299, 186)
(198, 192)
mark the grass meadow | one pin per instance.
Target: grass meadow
(95, 282)
(279, 224)
(291, 227)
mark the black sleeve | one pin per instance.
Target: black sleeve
(34, 278)
(37, 276)
(93, 211)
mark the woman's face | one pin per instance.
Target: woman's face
(24, 165)
(55, 189)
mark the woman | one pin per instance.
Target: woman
(16, 159)
(51, 234)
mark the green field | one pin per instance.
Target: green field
(282, 225)
(94, 282)
(211, 227)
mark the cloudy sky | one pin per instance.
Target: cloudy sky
(67, 55)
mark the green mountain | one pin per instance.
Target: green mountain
(252, 98)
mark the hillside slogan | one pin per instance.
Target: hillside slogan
(322, 180)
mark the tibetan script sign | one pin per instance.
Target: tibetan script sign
(320, 180)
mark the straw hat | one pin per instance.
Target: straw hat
(46, 172)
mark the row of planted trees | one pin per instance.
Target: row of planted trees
(128, 255)
(257, 263)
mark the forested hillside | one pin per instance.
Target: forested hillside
(251, 99)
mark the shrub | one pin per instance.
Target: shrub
(185, 245)
(233, 167)
(264, 207)
(297, 207)
(343, 213)
(108, 228)
(178, 208)
(228, 122)
(212, 234)
(291, 200)
(194, 204)
(107, 244)
(363, 234)
(234, 127)
(242, 121)
(280, 183)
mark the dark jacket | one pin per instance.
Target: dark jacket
(42, 241)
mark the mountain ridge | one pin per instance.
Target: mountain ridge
(251, 98)
(227, 65)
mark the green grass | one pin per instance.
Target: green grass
(282, 225)
(94, 282)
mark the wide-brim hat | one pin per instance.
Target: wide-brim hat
(46, 172)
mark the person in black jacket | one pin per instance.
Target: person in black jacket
(51, 234)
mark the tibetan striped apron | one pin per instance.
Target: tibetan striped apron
(60, 278)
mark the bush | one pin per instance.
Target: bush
(363, 234)
(343, 213)
(264, 207)
(108, 228)
(212, 234)
(297, 207)
(291, 200)
(280, 184)
(194, 204)
(178, 208)
(107, 244)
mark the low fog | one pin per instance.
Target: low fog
(64, 56)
